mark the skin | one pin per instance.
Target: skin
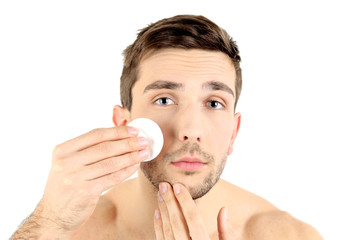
(185, 115)
(197, 121)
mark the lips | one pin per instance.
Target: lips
(189, 164)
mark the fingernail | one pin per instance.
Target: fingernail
(159, 197)
(143, 154)
(163, 187)
(177, 188)
(142, 142)
(133, 131)
(157, 214)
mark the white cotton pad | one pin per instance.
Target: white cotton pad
(150, 130)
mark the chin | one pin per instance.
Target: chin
(197, 188)
(198, 182)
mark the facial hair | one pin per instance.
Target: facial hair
(156, 173)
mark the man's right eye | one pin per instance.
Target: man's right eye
(164, 101)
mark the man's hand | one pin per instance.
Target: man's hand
(178, 217)
(82, 169)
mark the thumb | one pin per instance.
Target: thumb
(225, 231)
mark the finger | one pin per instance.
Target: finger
(166, 226)
(158, 225)
(94, 137)
(109, 149)
(225, 230)
(114, 164)
(177, 221)
(221, 223)
(104, 183)
(194, 221)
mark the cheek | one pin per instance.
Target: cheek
(136, 109)
(141, 110)
(168, 130)
(219, 135)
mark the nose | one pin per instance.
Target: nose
(189, 125)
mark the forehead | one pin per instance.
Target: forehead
(188, 67)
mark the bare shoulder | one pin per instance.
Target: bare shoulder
(244, 203)
(278, 224)
(257, 218)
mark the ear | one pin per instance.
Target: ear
(121, 116)
(237, 124)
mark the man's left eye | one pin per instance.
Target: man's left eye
(215, 104)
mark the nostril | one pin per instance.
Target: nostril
(186, 138)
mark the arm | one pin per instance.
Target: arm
(82, 168)
(37, 227)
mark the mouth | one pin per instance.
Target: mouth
(189, 164)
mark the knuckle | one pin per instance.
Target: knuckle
(104, 148)
(116, 178)
(119, 132)
(98, 133)
(58, 166)
(133, 157)
(131, 144)
(107, 164)
(121, 175)
(175, 221)
(167, 230)
(60, 163)
(192, 216)
(57, 150)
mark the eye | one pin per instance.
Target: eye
(215, 104)
(164, 101)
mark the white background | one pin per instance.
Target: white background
(60, 63)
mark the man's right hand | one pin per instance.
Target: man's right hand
(82, 169)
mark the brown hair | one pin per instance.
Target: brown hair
(182, 31)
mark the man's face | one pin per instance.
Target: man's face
(190, 94)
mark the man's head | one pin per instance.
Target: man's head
(184, 73)
(182, 32)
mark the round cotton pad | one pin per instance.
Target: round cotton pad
(150, 130)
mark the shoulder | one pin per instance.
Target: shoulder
(244, 202)
(278, 224)
(260, 219)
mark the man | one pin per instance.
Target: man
(184, 73)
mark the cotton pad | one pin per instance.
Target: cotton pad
(150, 130)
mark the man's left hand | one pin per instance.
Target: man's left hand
(178, 217)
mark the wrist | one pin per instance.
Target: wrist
(48, 226)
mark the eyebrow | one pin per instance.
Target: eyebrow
(160, 84)
(211, 85)
(215, 85)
